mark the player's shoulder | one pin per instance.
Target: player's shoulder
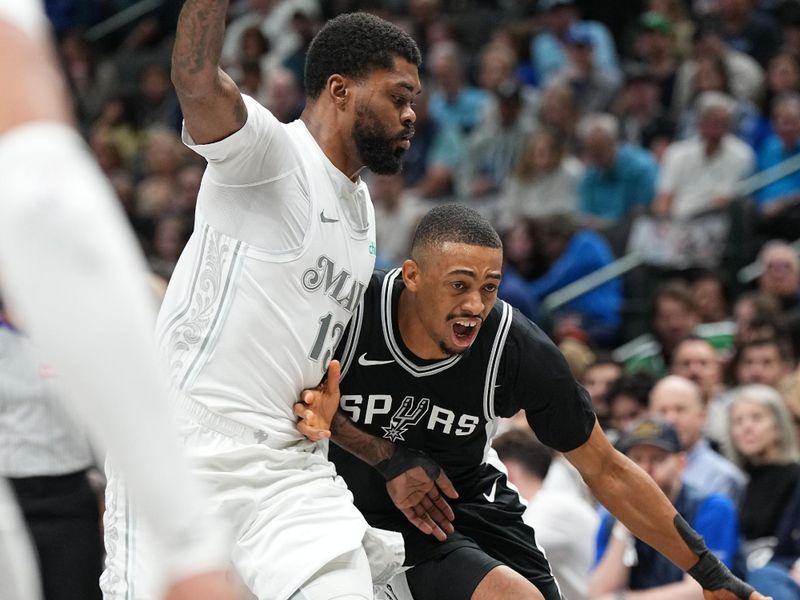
(525, 334)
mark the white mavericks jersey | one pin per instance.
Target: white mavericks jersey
(283, 247)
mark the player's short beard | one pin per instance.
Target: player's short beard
(377, 149)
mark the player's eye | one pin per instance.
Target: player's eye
(458, 285)
(490, 288)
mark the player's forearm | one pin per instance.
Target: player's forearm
(631, 496)
(637, 502)
(369, 448)
(38, 91)
(198, 47)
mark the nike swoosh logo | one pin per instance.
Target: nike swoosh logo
(365, 362)
(325, 219)
(490, 496)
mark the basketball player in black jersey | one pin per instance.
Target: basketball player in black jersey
(430, 361)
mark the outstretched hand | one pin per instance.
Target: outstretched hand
(317, 406)
(421, 499)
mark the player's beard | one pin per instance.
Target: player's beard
(377, 149)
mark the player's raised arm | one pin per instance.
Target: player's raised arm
(212, 105)
(639, 504)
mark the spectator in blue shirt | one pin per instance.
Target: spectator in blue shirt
(548, 49)
(574, 253)
(620, 180)
(779, 201)
(626, 563)
(453, 101)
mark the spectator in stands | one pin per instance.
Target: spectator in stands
(92, 81)
(544, 181)
(753, 32)
(781, 279)
(274, 20)
(558, 112)
(627, 399)
(701, 172)
(170, 235)
(695, 359)
(679, 402)
(453, 102)
(654, 46)
(619, 181)
(572, 253)
(494, 147)
(779, 202)
(594, 88)
(765, 445)
(564, 523)
(548, 47)
(157, 103)
(397, 212)
(626, 563)
(597, 379)
(435, 154)
(711, 75)
(119, 121)
(746, 76)
(681, 26)
(643, 120)
(674, 316)
(708, 291)
(766, 361)
(783, 76)
(758, 315)
(524, 261)
(284, 95)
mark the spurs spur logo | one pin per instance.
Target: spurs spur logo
(408, 415)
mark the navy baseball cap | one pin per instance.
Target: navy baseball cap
(579, 35)
(650, 432)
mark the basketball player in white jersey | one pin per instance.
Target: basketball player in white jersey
(283, 248)
(71, 272)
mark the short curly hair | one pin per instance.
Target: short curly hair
(353, 45)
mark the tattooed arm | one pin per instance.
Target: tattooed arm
(415, 483)
(212, 105)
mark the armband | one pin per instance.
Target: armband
(709, 571)
(404, 459)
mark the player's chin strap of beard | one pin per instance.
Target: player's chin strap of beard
(404, 459)
(709, 571)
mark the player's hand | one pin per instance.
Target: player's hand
(208, 586)
(726, 595)
(317, 407)
(421, 499)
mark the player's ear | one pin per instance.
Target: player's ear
(337, 88)
(411, 274)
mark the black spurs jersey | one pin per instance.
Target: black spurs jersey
(449, 408)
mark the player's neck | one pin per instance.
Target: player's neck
(339, 148)
(413, 332)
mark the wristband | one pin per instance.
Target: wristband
(404, 459)
(709, 571)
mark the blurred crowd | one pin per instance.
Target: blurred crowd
(661, 132)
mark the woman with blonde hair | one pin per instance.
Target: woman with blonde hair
(764, 442)
(545, 181)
